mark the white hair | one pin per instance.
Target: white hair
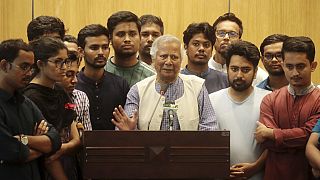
(164, 39)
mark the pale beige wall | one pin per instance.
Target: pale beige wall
(260, 17)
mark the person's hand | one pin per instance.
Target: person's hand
(40, 129)
(263, 132)
(316, 172)
(242, 171)
(122, 121)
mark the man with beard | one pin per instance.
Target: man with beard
(272, 58)
(228, 28)
(104, 90)
(124, 28)
(237, 109)
(289, 114)
(151, 29)
(198, 41)
(24, 134)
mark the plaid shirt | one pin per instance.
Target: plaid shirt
(175, 90)
(82, 108)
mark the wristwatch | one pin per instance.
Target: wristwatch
(24, 139)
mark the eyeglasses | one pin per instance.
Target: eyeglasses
(25, 67)
(270, 56)
(71, 74)
(60, 62)
(231, 34)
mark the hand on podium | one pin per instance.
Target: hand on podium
(122, 121)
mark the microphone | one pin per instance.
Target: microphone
(163, 90)
(171, 116)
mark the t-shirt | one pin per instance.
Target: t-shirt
(240, 119)
(132, 74)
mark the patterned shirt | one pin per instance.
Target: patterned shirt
(82, 108)
(175, 90)
(132, 74)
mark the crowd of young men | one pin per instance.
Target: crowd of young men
(46, 101)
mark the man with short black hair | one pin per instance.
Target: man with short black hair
(24, 134)
(124, 29)
(151, 29)
(198, 41)
(104, 89)
(45, 26)
(228, 28)
(289, 114)
(238, 108)
(270, 50)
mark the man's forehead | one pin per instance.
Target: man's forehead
(126, 26)
(228, 26)
(71, 46)
(25, 55)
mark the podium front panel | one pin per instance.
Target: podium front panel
(156, 154)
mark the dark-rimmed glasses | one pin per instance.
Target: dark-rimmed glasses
(60, 62)
(269, 56)
(231, 34)
(24, 67)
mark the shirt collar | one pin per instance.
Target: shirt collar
(88, 80)
(17, 96)
(302, 92)
(202, 75)
(218, 66)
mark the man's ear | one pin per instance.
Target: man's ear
(81, 52)
(313, 66)
(256, 72)
(40, 64)
(4, 65)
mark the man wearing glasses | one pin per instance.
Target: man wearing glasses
(228, 28)
(272, 58)
(24, 134)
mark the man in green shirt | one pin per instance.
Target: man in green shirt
(124, 28)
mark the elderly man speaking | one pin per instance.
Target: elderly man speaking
(167, 100)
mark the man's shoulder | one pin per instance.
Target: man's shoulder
(277, 94)
(146, 68)
(221, 92)
(191, 78)
(217, 73)
(260, 91)
(114, 78)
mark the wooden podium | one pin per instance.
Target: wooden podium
(156, 154)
